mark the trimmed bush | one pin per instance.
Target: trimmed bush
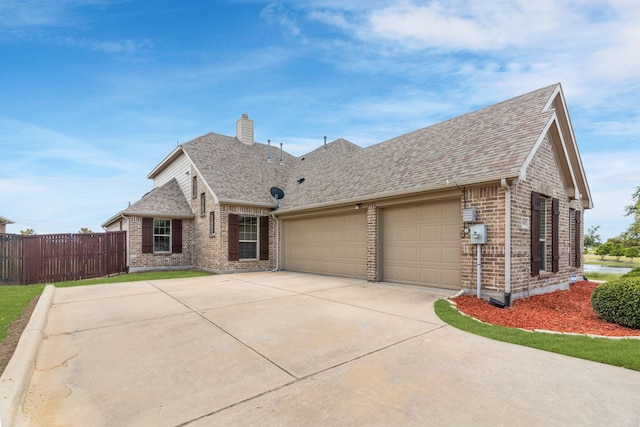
(633, 273)
(618, 301)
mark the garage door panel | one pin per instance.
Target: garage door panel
(430, 276)
(427, 238)
(334, 245)
(451, 278)
(409, 274)
(409, 254)
(430, 255)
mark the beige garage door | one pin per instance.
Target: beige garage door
(334, 245)
(421, 244)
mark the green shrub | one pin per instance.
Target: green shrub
(633, 273)
(618, 301)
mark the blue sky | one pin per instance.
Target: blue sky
(95, 93)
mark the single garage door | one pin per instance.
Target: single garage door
(421, 244)
(333, 245)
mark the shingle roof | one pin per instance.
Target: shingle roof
(166, 200)
(237, 171)
(487, 143)
(4, 220)
(480, 146)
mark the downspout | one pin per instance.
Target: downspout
(507, 242)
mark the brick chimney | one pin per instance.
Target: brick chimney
(244, 129)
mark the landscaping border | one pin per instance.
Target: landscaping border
(15, 377)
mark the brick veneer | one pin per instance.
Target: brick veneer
(543, 175)
(140, 261)
(372, 242)
(211, 250)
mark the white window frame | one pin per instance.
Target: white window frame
(157, 225)
(246, 237)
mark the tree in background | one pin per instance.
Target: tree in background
(617, 251)
(28, 232)
(634, 229)
(632, 252)
(85, 230)
(604, 249)
(592, 238)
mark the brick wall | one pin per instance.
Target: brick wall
(140, 261)
(211, 250)
(543, 176)
(372, 242)
(489, 203)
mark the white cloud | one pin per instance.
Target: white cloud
(276, 13)
(31, 146)
(113, 46)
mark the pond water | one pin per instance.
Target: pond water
(591, 268)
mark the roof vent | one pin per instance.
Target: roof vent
(244, 129)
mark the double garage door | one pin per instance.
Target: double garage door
(419, 244)
(334, 245)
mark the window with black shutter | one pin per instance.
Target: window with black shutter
(555, 235)
(264, 238)
(234, 237)
(535, 233)
(147, 235)
(176, 236)
(577, 237)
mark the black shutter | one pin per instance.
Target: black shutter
(578, 238)
(535, 233)
(147, 235)
(555, 235)
(234, 237)
(264, 238)
(176, 236)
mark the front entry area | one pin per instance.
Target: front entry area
(335, 245)
(421, 244)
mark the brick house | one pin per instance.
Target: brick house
(3, 224)
(404, 210)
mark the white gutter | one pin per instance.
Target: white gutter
(507, 242)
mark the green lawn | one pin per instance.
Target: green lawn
(13, 299)
(610, 261)
(617, 352)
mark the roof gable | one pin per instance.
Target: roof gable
(165, 201)
(237, 172)
(560, 131)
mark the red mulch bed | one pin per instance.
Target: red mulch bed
(560, 311)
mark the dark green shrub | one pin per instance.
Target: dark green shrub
(633, 273)
(618, 301)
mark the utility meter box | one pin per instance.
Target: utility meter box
(478, 234)
(469, 215)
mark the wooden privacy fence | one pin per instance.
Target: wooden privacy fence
(52, 258)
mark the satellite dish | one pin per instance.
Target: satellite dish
(277, 193)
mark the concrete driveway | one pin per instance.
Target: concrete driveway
(297, 349)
